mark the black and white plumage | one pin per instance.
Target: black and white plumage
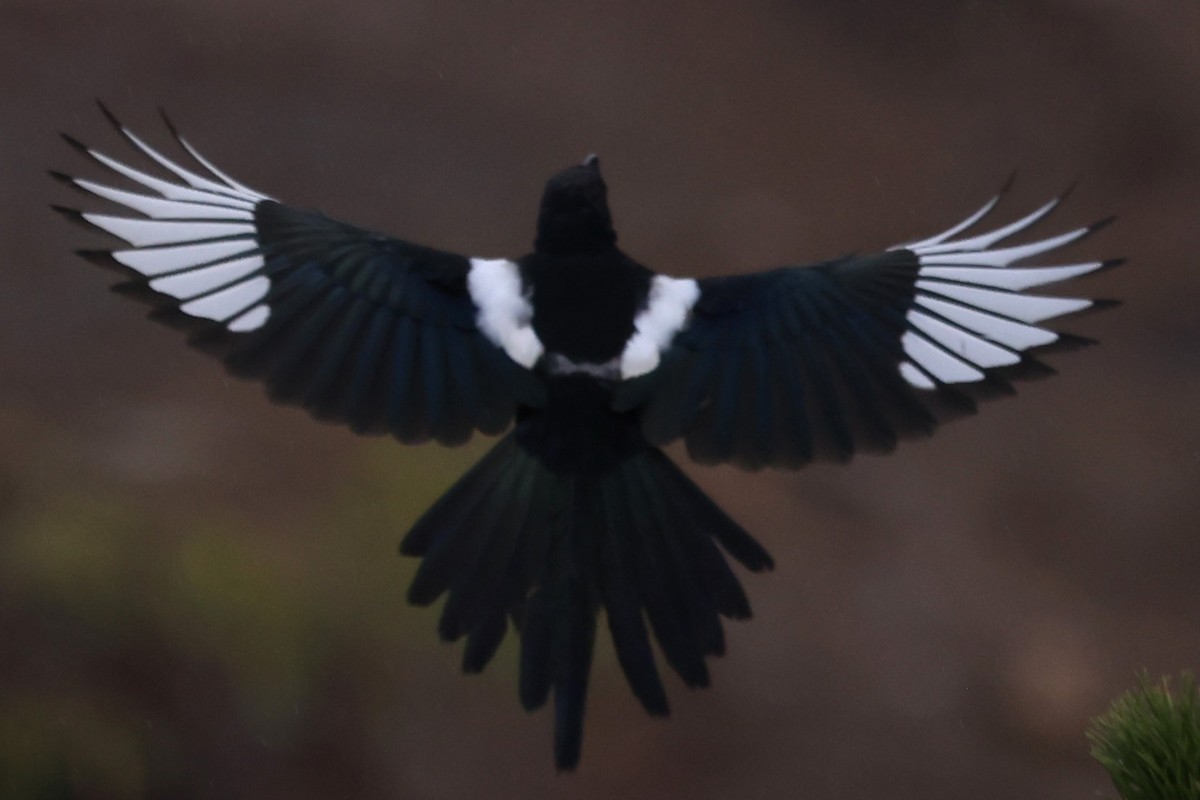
(594, 361)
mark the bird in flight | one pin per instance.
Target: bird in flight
(587, 362)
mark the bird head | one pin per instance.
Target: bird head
(574, 217)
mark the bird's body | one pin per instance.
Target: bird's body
(584, 305)
(591, 361)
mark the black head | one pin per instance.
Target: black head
(574, 217)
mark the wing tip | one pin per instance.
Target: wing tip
(1070, 190)
(1008, 183)
(104, 258)
(79, 218)
(76, 144)
(174, 131)
(73, 214)
(95, 256)
(64, 178)
(1065, 343)
(109, 115)
(140, 291)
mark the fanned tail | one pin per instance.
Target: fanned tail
(521, 538)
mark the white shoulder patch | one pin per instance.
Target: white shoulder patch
(668, 305)
(504, 315)
(969, 313)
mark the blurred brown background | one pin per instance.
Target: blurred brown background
(199, 592)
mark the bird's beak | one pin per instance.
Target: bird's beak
(592, 161)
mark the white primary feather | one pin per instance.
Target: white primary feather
(195, 282)
(962, 343)
(1008, 332)
(953, 231)
(172, 191)
(162, 208)
(161, 260)
(228, 302)
(983, 241)
(253, 319)
(937, 362)
(199, 243)
(1013, 278)
(969, 314)
(911, 373)
(152, 232)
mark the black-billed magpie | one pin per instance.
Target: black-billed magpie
(594, 361)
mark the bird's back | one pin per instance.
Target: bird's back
(584, 305)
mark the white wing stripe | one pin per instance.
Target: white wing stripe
(911, 373)
(228, 302)
(1011, 334)
(979, 352)
(237, 186)
(1013, 278)
(199, 242)
(969, 309)
(171, 259)
(1022, 307)
(189, 177)
(172, 191)
(253, 319)
(957, 229)
(937, 362)
(195, 282)
(148, 232)
(1004, 256)
(985, 240)
(161, 208)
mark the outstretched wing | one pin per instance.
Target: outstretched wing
(355, 326)
(797, 364)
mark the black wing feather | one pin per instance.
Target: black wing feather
(352, 325)
(797, 364)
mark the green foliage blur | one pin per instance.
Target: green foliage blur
(156, 637)
(1149, 741)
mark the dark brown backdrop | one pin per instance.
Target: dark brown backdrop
(199, 592)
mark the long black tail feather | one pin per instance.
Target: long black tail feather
(518, 538)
